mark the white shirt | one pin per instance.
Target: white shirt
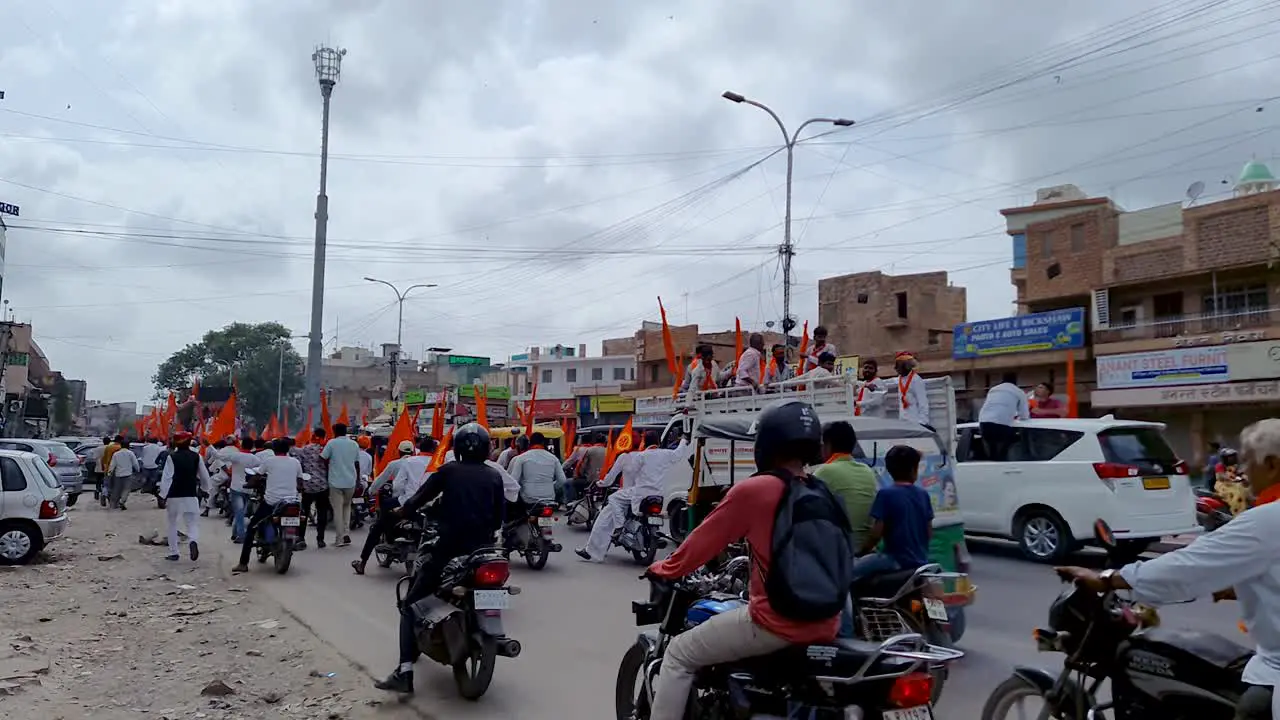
(239, 461)
(366, 463)
(166, 476)
(264, 453)
(538, 473)
(410, 474)
(1240, 555)
(821, 376)
(124, 463)
(387, 475)
(150, 454)
(913, 405)
(646, 472)
(815, 352)
(504, 457)
(283, 473)
(1004, 404)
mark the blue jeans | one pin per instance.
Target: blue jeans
(865, 566)
(239, 500)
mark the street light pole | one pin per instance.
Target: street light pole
(787, 249)
(328, 64)
(400, 296)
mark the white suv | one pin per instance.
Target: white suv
(1062, 474)
(33, 507)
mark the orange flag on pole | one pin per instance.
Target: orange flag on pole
(364, 415)
(608, 455)
(273, 431)
(803, 367)
(399, 434)
(568, 427)
(529, 414)
(437, 419)
(304, 435)
(225, 422)
(343, 415)
(623, 444)
(284, 423)
(442, 451)
(326, 422)
(668, 345)
(482, 405)
(675, 389)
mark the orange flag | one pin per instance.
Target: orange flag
(272, 432)
(170, 413)
(804, 348)
(399, 434)
(675, 389)
(284, 423)
(364, 415)
(668, 345)
(343, 415)
(568, 427)
(737, 339)
(482, 405)
(304, 435)
(225, 422)
(442, 451)
(608, 455)
(529, 414)
(326, 422)
(623, 444)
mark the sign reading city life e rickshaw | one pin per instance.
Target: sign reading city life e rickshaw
(1035, 332)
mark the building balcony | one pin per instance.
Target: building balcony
(1245, 323)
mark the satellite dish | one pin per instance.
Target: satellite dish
(1195, 191)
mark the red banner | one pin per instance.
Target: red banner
(555, 408)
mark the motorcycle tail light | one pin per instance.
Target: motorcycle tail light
(911, 690)
(291, 511)
(546, 511)
(653, 509)
(492, 574)
(48, 510)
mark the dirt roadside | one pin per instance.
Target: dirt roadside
(103, 626)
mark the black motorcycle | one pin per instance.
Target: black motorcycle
(278, 539)
(531, 536)
(461, 624)
(642, 534)
(359, 505)
(586, 508)
(846, 678)
(1154, 672)
(401, 543)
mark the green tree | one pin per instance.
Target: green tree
(253, 351)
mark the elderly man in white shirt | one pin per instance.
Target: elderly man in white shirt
(645, 473)
(1238, 561)
(913, 397)
(1005, 403)
(750, 366)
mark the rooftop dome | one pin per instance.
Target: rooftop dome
(1256, 172)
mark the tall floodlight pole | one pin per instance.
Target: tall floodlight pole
(787, 249)
(328, 64)
(400, 296)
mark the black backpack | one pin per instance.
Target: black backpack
(812, 559)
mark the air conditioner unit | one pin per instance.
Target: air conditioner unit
(1101, 309)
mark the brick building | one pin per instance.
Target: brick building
(870, 314)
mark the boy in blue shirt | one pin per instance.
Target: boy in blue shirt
(903, 517)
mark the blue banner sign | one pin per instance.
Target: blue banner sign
(1036, 332)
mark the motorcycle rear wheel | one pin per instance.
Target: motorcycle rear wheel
(629, 700)
(283, 556)
(1007, 696)
(474, 674)
(537, 551)
(650, 553)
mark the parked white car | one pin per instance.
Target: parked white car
(33, 506)
(1063, 474)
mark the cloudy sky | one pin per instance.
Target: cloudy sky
(555, 166)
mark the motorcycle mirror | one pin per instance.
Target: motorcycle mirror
(1102, 533)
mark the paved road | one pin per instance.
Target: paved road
(574, 622)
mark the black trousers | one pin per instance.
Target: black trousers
(425, 583)
(324, 511)
(261, 516)
(381, 527)
(998, 439)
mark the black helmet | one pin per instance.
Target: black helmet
(471, 443)
(787, 429)
(1228, 456)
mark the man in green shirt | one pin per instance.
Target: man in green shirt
(851, 481)
(855, 484)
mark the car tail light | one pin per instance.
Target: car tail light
(53, 460)
(911, 690)
(1181, 468)
(546, 511)
(48, 510)
(492, 574)
(654, 508)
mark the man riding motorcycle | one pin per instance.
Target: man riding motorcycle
(409, 473)
(539, 475)
(1236, 561)
(283, 484)
(645, 474)
(788, 438)
(468, 516)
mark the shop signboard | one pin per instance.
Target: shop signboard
(492, 392)
(545, 409)
(1254, 361)
(612, 404)
(1261, 391)
(1035, 332)
(1179, 366)
(419, 397)
(468, 360)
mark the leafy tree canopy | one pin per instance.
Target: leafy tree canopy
(253, 352)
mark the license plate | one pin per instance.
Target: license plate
(935, 609)
(490, 599)
(916, 713)
(546, 522)
(290, 522)
(1155, 483)
(655, 521)
(357, 501)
